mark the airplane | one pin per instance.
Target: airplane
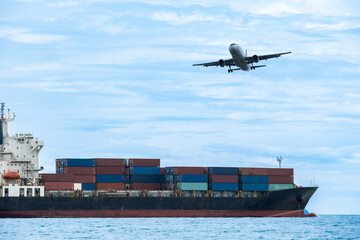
(240, 60)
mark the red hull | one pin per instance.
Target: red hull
(150, 213)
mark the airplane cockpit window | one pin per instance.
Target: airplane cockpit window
(233, 44)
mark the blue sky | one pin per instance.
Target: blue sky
(106, 78)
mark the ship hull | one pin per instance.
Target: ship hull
(286, 203)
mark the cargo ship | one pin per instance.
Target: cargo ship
(134, 187)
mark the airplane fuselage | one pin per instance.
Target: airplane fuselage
(238, 57)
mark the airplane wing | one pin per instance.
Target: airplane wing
(227, 62)
(256, 58)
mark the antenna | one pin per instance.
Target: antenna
(279, 159)
(2, 109)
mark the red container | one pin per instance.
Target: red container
(224, 178)
(59, 186)
(281, 172)
(80, 170)
(281, 179)
(145, 186)
(57, 162)
(110, 170)
(110, 186)
(253, 171)
(162, 171)
(84, 179)
(110, 162)
(55, 177)
(142, 162)
(189, 170)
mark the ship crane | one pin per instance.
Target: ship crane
(279, 159)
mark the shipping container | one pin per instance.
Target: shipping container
(53, 177)
(281, 179)
(109, 186)
(78, 162)
(192, 186)
(110, 170)
(144, 170)
(110, 162)
(162, 171)
(224, 186)
(162, 178)
(80, 170)
(224, 178)
(191, 178)
(57, 163)
(281, 171)
(278, 187)
(223, 171)
(186, 170)
(59, 186)
(253, 171)
(253, 179)
(142, 162)
(60, 170)
(144, 178)
(78, 186)
(145, 186)
(169, 178)
(110, 178)
(85, 178)
(88, 186)
(254, 187)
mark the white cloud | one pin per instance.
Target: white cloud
(64, 4)
(175, 18)
(26, 36)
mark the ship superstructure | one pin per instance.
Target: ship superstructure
(19, 154)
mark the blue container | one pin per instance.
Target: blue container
(127, 179)
(60, 170)
(223, 171)
(145, 178)
(191, 178)
(88, 186)
(252, 187)
(169, 170)
(224, 186)
(145, 170)
(109, 178)
(253, 179)
(162, 178)
(79, 162)
(169, 178)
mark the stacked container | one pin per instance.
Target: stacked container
(223, 179)
(83, 171)
(110, 173)
(143, 174)
(253, 179)
(186, 178)
(281, 179)
(57, 181)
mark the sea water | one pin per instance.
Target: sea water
(321, 227)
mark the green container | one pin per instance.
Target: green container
(189, 186)
(278, 187)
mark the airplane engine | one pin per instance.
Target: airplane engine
(222, 63)
(255, 58)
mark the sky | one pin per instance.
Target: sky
(106, 78)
